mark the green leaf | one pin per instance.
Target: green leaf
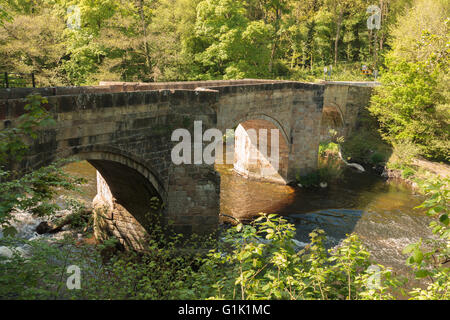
(409, 248)
(418, 255)
(422, 274)
(9, 231)
(444, 219)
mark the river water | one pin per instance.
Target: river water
(381, 213)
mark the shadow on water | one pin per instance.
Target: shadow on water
(381, 213)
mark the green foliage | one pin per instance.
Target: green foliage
(162, 272)
(365, 146)
(430, 263)
(406, 108)
(14, 138)
(29, 191)
(224, 39)
(256, 261)
(145, 40)
(79, 218)
(377, 158)
(33, 191)
(227, 44)
(412, 104)
(408, 173)
(4, 16)
(329, 164)
(328, 148)
(248, 267)
(330, 170)
(311, 179)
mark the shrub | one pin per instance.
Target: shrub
(259, 261)
(431, 264)
(311, 179)
(406, 107)
(407, 173)
(326, 148)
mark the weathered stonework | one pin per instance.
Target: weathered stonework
(124, 130)
(342, 105)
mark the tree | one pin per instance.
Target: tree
(28, 190)
(34, 43)
(412, 105)
(227, 44)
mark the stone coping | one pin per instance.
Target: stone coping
(222, 86)
(353, 83)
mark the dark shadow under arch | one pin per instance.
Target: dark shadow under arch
(332, 118)
(131, 182)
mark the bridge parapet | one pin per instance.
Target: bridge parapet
(116, 86)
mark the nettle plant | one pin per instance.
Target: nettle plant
(430, 258)
(260, 261)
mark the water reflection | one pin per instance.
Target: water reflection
(83, 169)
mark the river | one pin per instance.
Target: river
(381, 213)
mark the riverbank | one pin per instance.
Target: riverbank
(418, 170)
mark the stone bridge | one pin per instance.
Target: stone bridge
(125, 131)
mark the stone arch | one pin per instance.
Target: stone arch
(256, 156)
(125, 187)
(262, 116)
(112, 154)
(332, 118)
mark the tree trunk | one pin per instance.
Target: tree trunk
(275, 38)
(383, 9)
(338, 31)
(144, 33)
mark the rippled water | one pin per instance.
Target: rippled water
(381, 213)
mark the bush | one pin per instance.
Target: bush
(366, 146)
(407, 173)
(328, 148)
(259, 261)
(311, 179)
(432, 264)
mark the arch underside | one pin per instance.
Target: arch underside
(128, 187)
(261, 151)
(332, 119)
(125, 187)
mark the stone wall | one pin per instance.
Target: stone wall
(343, 102)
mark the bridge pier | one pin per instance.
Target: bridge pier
(193, 199)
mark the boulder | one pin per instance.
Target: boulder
(6, 252)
